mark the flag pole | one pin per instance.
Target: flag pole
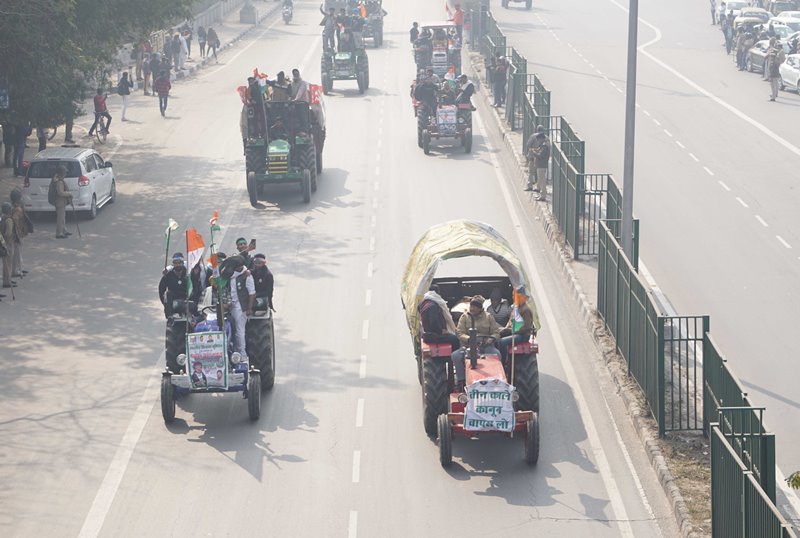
(166, 249)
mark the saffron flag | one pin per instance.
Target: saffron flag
(194, 248)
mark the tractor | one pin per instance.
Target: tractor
(346, 65)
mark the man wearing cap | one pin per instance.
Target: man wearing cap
(466, 89)
(538, 158)
(243, 299)
(521, 325)
(488, 332)
(174, 284)
(263, 278)
(62, 199)
(244, 251)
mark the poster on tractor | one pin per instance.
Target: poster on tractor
(490, 407)
(205, 353)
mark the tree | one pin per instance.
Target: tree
(51, 50)
(794, 480)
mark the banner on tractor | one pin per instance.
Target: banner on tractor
(490, 407)
(205, 354)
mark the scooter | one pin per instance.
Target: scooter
(288, 11)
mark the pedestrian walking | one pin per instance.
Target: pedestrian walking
(59, 196)
(166, 54)
(184, 53)
(201, 40)
(9, 239)
(726, 23)
(499, 81)
(21, 133)
(147, 73)
(22, 226)
(155, 69)
(713, 5)
(8, 143)
(187, 36)
(41, 137)
(212, 42)
(538, 153)
(776, 56)
(124, 91)
(162, 86)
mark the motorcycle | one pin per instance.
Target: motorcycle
(287, 14)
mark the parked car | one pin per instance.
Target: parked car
(757, 56)
(789, 15)
(791, 22)
(776, 7)
(752, 13)
(790, 73)
(734, 6)
(89, 178)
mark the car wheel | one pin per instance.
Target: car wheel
(112, 197)
(797, 88)
(749, 65)
(92, 213)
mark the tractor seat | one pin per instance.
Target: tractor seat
(436, 350)
(524, 348)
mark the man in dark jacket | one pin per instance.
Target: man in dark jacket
(425, 94)
(21, 133)
(435, 329)
(538, 159)
(414, 32)
(263, 278)
(8, 141)
(174, 284)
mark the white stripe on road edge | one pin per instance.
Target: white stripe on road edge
(762, 221)
(372, 243)
(360, 413)
(352, 525)
(744, 204)
(694, 158)
(708, 171)
(104, 498)
(362, 369)
(365, 330)
(723, 185)
(356, 466)
(678, 142)
(368, 298)
(615, 498)
(369, 270)
(783, 241)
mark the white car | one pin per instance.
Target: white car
(734, 5)
(792, 23)
(89, 179)
(789, 15)
(790, 73)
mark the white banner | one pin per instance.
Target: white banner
(490, 407)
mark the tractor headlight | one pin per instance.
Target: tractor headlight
(236, 357)
(460, 120)
(514, 396)
(463, 398)
(182, 359)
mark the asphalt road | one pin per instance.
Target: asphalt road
(339, 449)
(716, 169)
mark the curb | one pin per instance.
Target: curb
(596, 329)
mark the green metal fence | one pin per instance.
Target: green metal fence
(739, 506)
(572, 146)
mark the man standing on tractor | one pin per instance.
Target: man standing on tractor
(488, 332)
(300, 89)
(243, 299)
(263, 278)
(329, 28)
(281, 89)
(466, 90)
(244, 251)
(425, 94)
(174, 284)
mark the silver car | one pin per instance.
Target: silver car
(89, 179)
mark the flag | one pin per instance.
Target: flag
(451, 73)
(516, 319)
(194, 248)
(213, 222)
(171, 227)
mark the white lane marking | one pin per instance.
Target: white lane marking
(762, 221)
(378, 157)
(646, 113)
(744, 204)
(352, 525)
(591, 65)
(678, 142)
(584, 60)
(380, 132)
(708, 171)
(721, 102)
(619, 90)
(356, 466)
(372, 243)
(380, 142)
(657, 122)
(376, 185)
(368, 298)
(365, 329)
(374, 203)
(599, 72)
(638, 105)
(372, 221)
(667, 133)
(362, 368)
(724, 186)
(369, 270)
(360, 413)
(615, 497)
(783, 241)
(247, 47)
(694, 158)
(96, 517)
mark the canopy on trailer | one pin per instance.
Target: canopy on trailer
(454, 239)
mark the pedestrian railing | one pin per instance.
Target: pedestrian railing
(685, 380)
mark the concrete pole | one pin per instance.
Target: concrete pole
(630, 132)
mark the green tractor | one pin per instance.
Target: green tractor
(284, 143)
(346, 64)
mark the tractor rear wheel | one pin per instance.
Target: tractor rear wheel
(445, 440)
(167, 399)
(434, 392)
(532, 440)
(252, 188)
(526, 379)
(261, 349)
(174, 344)
(305, 184)
(255, 163)
(308, 161)
(467, 140)
(254, 396)
(426, 142)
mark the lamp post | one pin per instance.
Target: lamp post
(630, 132)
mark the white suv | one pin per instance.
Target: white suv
(89, 178)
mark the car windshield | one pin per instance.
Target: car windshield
(735, 5)
(783, 31)
(40, 169)
(793, 24)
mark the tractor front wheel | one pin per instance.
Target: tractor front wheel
(252, 188)
(445, 440)
(305, 184)
(434, 392)
(261, 349)
(426, 142)
(174, 344)
(308, 161)
(467, 140)
(532, 440)
(254, 395)
(167, 399)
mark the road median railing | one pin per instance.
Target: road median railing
(685, 380)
